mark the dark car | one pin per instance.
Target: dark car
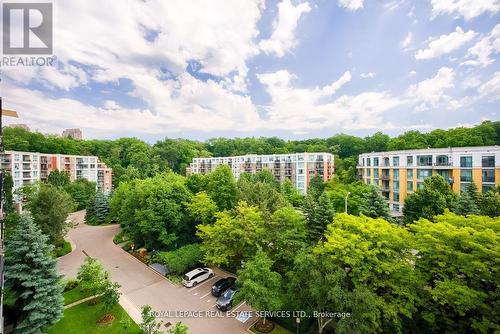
(221, 285)
(225, 301)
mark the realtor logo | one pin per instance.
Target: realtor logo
(27, 28)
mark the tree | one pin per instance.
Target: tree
(234, 237)
(337, 192)
(98, 209)
(318, 213)
(179, 328)
(8, 184)
(378, 258)
(458, 259)
(149, 325)
(375, 205)
(110, 296)
(50, 206)
(181, 259)
(263, 194)
(31, 273)
(58, 178)
(466, 205)
(82, 191)
(92, 278)
(489, 203)
(259, 285)
(291, 193)
(221, 187)
(431, 200)
(316, 185)
(201, 208)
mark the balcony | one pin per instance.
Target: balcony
(489, 179)
(443, 165)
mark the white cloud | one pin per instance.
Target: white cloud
(405, 43)
(302, 109)
(445, 44)
(491, 88)
(283, 36)
(430, 92)
(412, 73)
(480, 53)
(468, 9)
(368, 75)
(351, 5)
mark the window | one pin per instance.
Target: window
(409, 161)
(395, 185)
(368, 172)
(489, 175)
(420, 185)
(395, 207)
(395, 161)
(375, 161)
(395, 174)
(386, 161)
(363, 163)
(368, 181)
(375, 173)
(488, 162)
(424, 160)
(369, 161)
(396, 197)
(409, 186)
(442, 160)
(422, 174)
(466, 175)
(466, 161)
(488, 187)
(409, 174)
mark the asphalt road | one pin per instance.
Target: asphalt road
(140, 285)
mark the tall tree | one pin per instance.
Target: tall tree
(291, 193)
(98, 209)
(319, 213)
(489, 203)
(375, 205)
(50, 206)
(262, 194)
(58, 178)
(466, 205)
(259, 285)
(431, 200)
(316, 185)
(82, 191)
(31, 273)
(92, 278)
(221, 187)
(201, 208)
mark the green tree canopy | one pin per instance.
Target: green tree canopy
(221, 187)
(375, 205)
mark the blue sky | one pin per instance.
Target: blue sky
(294, 69)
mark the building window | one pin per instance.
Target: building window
(375, 174)
(375, 161)
(368, 181)
(488, 187)
(466, 175)
(395, 185)
(489, 175)
(420, 185)
(409, 186)
(395, 161)
(488, 161)
(442, 160)
(466, 162)
(422, 174)
(368, 172)
(409, 174)
(395, 174)
(386, 162)
(445, 174)
(409, 161)
(363, 163)
(369, 161)
(424, 160)
(395, 207)
(395, 197)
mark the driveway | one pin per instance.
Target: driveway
(141, 285)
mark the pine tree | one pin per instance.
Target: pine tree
(98, 209)
(375, 205)
(31, 273)
(466, 205)
(319, 213)
(472, 192)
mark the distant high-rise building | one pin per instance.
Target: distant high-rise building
(297, 167)
(19, 125)
(73, 133)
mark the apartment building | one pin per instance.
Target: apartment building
(29, 167)
(72, 133)
(298, 167)
(399, 173)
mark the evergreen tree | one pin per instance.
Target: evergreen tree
(319, 213)
(375, 205)
(98, 209)
(473, 193)
(466, 205)
(31, 273)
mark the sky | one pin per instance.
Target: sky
(292, 69)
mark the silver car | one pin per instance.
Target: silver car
(196, 276)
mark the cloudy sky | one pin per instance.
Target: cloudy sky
(295, 69)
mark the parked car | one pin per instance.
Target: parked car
(225, 301)
(222, 285)
(196, 276)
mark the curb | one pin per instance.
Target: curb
(81, 301)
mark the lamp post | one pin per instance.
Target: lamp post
(11, 113)
(345, 202)
(297, 321)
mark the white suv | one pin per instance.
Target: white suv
(196, 276)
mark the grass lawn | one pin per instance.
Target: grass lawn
(74, 295)
(82, 319)
(277, 330)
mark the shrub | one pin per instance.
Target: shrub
(180, 260)
(62, 249)
(70, 284)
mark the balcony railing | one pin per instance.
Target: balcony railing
(489, 179)
(443, 164)
(385, 177)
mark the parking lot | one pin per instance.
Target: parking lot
(140, 285)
